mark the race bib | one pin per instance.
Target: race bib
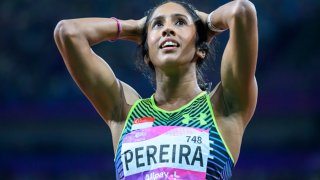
(165, 152)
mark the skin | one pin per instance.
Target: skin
(234, 99)
(176, 69)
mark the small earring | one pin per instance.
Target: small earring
(203, 54)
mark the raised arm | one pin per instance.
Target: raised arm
(239, 59)
(238, 66)
(92, 74)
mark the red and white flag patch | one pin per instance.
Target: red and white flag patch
(141, 123)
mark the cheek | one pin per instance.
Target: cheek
(189, 52)
(190, 46)
(152, 41)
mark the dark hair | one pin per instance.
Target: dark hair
(201, 43)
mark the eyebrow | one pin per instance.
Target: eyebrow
(173, 15)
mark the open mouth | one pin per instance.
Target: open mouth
(169, 44)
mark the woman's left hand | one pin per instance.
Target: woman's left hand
(204, 16)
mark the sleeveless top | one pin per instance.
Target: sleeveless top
(180, 144)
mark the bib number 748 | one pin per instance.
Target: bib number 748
(194, 139)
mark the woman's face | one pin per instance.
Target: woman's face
(171, 36)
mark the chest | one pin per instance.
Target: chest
(156, 144)
(173, 148)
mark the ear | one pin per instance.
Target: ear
(146, 59)
(201, 54)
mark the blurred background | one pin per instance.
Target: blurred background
(49, 130)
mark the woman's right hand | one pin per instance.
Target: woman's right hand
(132, 30)
(140, 24)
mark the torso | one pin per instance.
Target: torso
(225, 123)
(228, 124)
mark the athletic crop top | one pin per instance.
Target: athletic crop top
(180, 144)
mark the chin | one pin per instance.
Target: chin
(170, 59)
(171, 63)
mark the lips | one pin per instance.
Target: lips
(169, 43)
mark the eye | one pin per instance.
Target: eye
(181, 22)
(157, 24)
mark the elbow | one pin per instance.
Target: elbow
(65, 29)
(244, 11)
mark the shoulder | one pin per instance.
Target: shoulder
(226, 108)
(218, 102)
(130, 94)
(128, 97)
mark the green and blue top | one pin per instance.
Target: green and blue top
(180, 144)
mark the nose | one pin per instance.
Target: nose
(168, 31)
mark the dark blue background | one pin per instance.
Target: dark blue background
(49, 130)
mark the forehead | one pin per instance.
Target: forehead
(169, 9)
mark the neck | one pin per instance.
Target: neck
(176, 88)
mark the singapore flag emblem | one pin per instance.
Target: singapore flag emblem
(141, 123)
